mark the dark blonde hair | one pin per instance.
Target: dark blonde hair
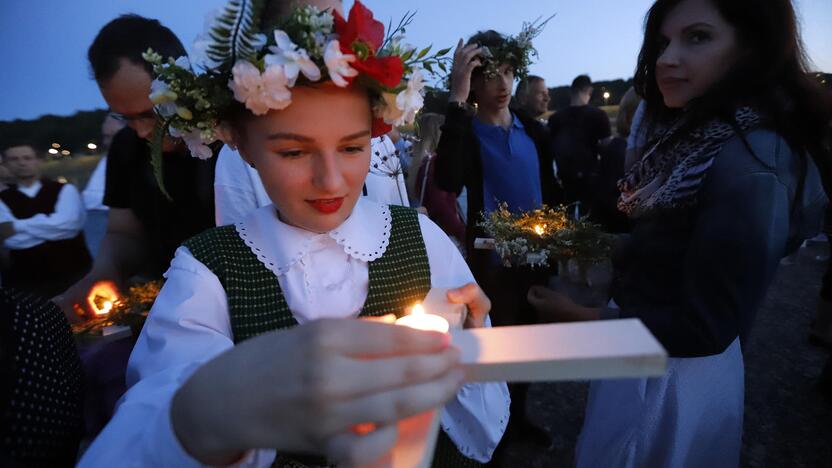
(429, 130)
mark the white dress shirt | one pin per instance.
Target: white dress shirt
(321, 276)
(65, 222)
(239, 191)
(93, 193)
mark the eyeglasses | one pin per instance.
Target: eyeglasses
(146, 115)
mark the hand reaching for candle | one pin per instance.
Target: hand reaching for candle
(305, 390)
(478, 304)
(553, 306)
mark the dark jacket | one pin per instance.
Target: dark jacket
(695, 277)
(458, 165)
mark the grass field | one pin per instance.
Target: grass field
(76, 170)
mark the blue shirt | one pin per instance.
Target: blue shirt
(510, 167)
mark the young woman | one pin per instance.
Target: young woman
(215, 381)
(442, 206)
(729, 185)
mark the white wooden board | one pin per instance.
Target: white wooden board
(600, 349)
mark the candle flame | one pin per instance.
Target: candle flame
(417, 310)
(540, 230)
(102, 297)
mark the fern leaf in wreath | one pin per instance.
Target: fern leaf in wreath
(234, 35)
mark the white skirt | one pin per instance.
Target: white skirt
(690, 417)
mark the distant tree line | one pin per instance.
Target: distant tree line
(74, 132)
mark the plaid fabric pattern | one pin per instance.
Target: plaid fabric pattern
(398, 279)
(401, 277)
(255, 302)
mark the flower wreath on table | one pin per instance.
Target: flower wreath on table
(245, 67)
(515, 50)
(536, 238)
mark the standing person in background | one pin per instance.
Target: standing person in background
(93, 194)
(603, 198)
(442, 206)
(730, 184)
(144, 227)
(41, 225)
(500, 157)
(532, 97)
(577, 133)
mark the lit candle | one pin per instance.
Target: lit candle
(420, 320)
(102, 297)
(539, 230)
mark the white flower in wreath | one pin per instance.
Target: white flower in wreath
(410, 100)
(401, 109)
(196, 143)
(293, 59)
(163, 98)
(260, 92)
(338, 64)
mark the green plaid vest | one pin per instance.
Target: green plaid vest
(399, 278)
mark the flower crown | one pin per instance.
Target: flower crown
(243, 66)
(515, 50)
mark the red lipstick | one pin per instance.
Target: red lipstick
(327, 205)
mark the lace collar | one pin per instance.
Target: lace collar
(364, 236)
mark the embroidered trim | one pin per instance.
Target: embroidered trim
(365, 253)
(266, 261)
(374, 252)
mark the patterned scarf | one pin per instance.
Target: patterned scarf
(672, 170)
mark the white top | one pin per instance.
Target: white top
(238, 189)
(321, 276)
(65, 222)
(94, 191)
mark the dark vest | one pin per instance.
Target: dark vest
(49, 268)
(400, 277)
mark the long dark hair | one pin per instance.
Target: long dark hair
(772, 75)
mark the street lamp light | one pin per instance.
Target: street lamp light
(606, 97)
(53, 151)
(56, 145)
(92, 146)
(65, 153)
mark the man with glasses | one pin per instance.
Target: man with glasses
(144, 227)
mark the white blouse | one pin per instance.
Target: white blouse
(321, 276)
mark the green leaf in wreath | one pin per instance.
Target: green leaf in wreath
(159, 132)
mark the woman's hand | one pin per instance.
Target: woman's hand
(478, 304)
(306, 390)
(466, 59)
(553, 306)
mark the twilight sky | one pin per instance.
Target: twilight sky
(45, 41)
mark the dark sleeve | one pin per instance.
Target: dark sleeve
(602, 129)
(551, 190)
(552, 124)
(453, 158)
(739, 237)
(119, 168)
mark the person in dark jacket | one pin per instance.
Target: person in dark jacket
(499, 156)
(731, 182)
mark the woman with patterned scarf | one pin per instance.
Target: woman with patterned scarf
(730, 182)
